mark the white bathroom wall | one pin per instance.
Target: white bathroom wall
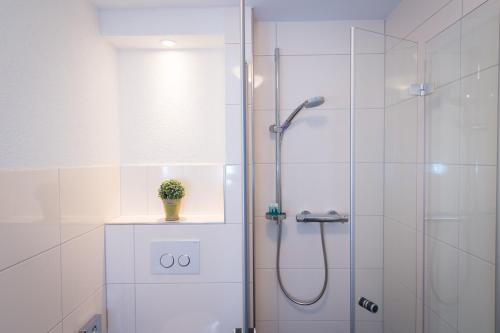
(315, 61)
(456, 256)
(58, 111)
(172, 106)
(58, 105)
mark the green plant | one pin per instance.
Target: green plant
(171, 190)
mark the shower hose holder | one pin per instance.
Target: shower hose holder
(277, 217)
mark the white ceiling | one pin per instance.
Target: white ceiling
(279, 10)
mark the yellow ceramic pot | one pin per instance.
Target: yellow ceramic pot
(172, 209)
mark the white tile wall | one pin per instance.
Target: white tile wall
(121, 306)
(188, 308)
(88, 198)
(82, 268)
(29, 217)
(52, 273)
(30, 294)
(120, 254)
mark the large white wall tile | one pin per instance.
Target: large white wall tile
(313, 326)
(480, 32)
(326, 37)
(232, 25)
(94, 304)
(306, 38)
(400, 193)
(197, 308)
(401, 69)
(266, 295)
(369, 80)
(369, 196)
(89, 197)
(233, 205)
(401, 132)
(119, 253)
(264, 97)
(83, 273)
(477, 301)
(233, 134)
(266, 233)
(369, 327)
(121, 308)
(369, 241)
(441, 280)
(400, 254)
(410, 14)
(265, 38)
(30, 294)
(220, 252)
(477, 190)
(442, 55)
(442, 125)
(328, 182)
(29, 214)
(479, 118)
(435, 324)
(264, 326)
(264, 188)
(133, 190)
(477, 236)
(399, 307)
(442, 184)
(470, 5)
(369, 131)
(303, 77)
(301, 245)
(316, 136)
(333, 306)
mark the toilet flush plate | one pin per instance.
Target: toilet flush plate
(175, 257)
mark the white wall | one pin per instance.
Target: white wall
(172, 106)
(315, 61)
(58, 102)
(58, 112)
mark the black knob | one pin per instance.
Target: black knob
(368, 305)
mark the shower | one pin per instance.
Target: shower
(276, 212)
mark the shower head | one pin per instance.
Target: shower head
(309, 103)
(314, 102)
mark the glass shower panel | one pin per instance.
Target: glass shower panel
(384, 177)
(461, 174)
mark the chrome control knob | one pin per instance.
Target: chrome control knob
(167, 260)
(184, 260)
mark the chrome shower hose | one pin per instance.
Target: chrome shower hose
(278, 270)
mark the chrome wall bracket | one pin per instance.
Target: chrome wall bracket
(420, 89)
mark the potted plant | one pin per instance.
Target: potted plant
(171, 192)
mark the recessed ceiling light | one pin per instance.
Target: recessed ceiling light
(167, 43)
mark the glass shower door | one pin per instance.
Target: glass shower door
(461, 122)
(383, 182)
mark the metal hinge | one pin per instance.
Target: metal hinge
(93, 325)
(420, 89)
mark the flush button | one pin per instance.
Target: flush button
(167, 260)
(184, 260)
